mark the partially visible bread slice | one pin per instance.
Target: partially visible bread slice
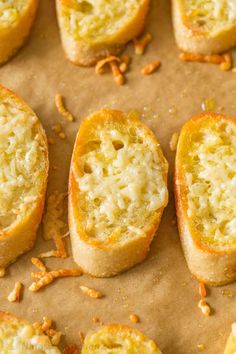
(16, 19)
(204, 27)
(119, 339)
(19, 336)
(205, 179)
(91, 30)
(117, 192)
(23, 176)
(231, 342)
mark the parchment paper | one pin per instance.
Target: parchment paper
(160, 290)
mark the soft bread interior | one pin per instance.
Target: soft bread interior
(93, 20)
(120, 340)
(210, 15)
(208, 159)
(17, 336)
(121, 176)
(10, 12)
(22, 161)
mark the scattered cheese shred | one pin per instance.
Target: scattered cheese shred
(91, 292)
(61, 108)
(15, 294)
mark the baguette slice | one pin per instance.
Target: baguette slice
(19, 336)
(16, 19)
(231, 342)
(117, 192)
(205, 179)
(204, 27)
(23, 176)
(91, 30)
(119, 339)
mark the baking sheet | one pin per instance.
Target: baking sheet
(160, 290)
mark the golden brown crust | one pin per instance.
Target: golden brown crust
(117, 328)
(104, 259)
(14, 37)
(196, 40)
(87, 53)
(21, 237)
(208, 264)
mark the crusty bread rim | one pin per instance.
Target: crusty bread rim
(198, 31)
(73, 185)
(8, 316)
(121, 33)
(180, 197)
(39, 203)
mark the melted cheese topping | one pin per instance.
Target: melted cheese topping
(10, 11)
(92, 19)
(210, 175)
(22, 163)
(211, 15)
(121, 341)
(22, 338)
(123, 183)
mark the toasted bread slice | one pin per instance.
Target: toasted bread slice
(16, 19)
(23, 176)
(231, 342)
(204, 27)
(205, 178)
(91, 30)
(19, 336)
(118, 338)
(117, 192)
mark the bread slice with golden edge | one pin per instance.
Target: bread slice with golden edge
(119, 339)
(91, 30)
(204, 27)
(117, 192)
(16, 19)
(231, 342)
(19, 336)
(205, 179)
(23, 176)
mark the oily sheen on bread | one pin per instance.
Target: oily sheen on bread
(205, 176)
(16, 19)
(91, 30)
(117, 192)
(23, 176)
(204, 27)
(19, 336)
(119, 339)
(231, 342)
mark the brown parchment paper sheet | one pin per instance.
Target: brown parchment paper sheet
(160, 290)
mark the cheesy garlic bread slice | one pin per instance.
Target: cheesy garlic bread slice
(119, 339)
(23, 176)
(91, 30)
(205, 180)
(117, 192)
(16, 19)
(204, 27)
